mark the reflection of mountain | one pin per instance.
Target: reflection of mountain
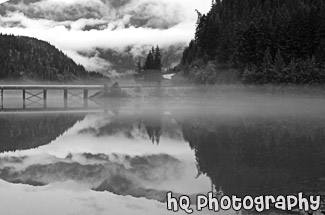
(261, 155)
(19, 132)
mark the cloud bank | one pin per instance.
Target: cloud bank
(76, 26)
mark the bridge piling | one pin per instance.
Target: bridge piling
(45, 98)
(85, 98)
(24, 98)
(65, 97)
(2, 98)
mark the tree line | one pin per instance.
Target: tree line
(152, 62)
(266, 41)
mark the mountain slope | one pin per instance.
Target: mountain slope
(24, 57)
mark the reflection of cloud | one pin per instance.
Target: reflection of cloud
(120, 174)
(68, 198)
(84, 25)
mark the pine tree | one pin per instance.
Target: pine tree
(149, 64)
(157, 59)
(153, 61)
(139, 67)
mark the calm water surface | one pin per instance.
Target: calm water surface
(123, 159)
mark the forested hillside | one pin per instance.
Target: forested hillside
(266, 41)
(23, 57)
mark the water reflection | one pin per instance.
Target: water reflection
(147, 152)
(18, 132)
(113, 153)
(260, 156)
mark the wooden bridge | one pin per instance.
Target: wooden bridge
(35, 97)
(33, 94)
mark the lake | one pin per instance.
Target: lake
(125, 156)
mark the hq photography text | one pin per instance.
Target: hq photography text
(259, 203)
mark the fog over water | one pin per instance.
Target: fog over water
(127, 155)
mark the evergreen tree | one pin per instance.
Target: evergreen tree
(149, 64)
(139, 67)
(157, 59)
(153, 60)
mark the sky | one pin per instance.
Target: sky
(76, 26)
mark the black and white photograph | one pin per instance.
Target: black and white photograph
(162, 107)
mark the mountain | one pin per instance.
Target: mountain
(23, 57)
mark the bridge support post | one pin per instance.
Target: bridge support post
(2, 98)
(45, 98)
(24, 98)
(65, 98)
(85, 98)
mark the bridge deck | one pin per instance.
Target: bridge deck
(72, 87)
(51, 87)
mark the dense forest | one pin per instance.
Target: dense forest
(265, 41)
(24, 57)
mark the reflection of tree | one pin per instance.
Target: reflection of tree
(19, 132)
(259, 156)
(130, 126)
(153, 128)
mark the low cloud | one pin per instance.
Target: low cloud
(92, 63)
(76, 26)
